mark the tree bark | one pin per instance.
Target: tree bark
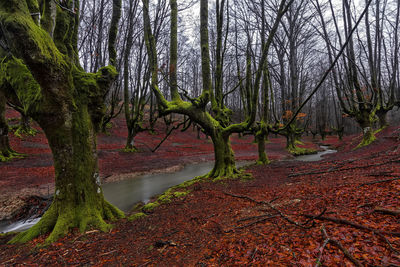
(224, 165)
(78, 200)
(42, 76)
(6, 153)
(381, 114)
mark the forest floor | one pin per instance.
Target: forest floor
(34, 175)
(342, 209)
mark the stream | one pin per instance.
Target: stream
(317, 156)
(126, 193)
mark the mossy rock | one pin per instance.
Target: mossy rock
(299, 151)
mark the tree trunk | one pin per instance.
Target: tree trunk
(43, 77)
(224, 165)
(261, 136)
(24, 128)
(78, 200)
(6, 153)
(290, 141)
(323, 135)
(130, 140)
(381, 114)
(365, 120)
(340, 132)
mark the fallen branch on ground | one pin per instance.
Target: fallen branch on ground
(339, 245)
(280, 213)
(387, 211)
(380, 181)
(379, 233)
(353, 224)
(263, 219)
(337, 169)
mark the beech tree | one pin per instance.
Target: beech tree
(40, 72)
(6, 152)
(366, 80)
(217, 123)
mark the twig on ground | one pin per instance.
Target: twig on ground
(340, 246)
(337, 169)
(355, 225)
(379, 233)
(321, 251)
(266, 217)
(387, 211)
(380, 181)
(284, 216)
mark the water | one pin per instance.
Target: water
(19, 226)
(318, 156)
(125, 194)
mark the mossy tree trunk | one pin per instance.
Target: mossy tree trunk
(290, 141)
(260, 138)
(42, 76)
(217, 124)
(382, 117)
(366, 120)
(224, 165)
(78, 200)
(6, 153)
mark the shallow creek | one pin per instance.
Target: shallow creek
(317, 156)
(125, 194)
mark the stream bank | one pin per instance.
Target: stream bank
(125, 192)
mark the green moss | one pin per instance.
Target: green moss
(20, 131)
(263, 162)
(130, 150)
(181, 194)
(14, 72)
(299, 151)
(366, 141)
(109, 125)
(298, 142)
(150, 206)
(136, 216)
(36, 41)
(10, 156)
(368, 138)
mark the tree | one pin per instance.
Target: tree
(136, 93)
(6, 153)
(42, 75)
(217, 123)
(360, 88)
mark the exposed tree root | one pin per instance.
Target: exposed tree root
(58, 221)
(220, 173)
